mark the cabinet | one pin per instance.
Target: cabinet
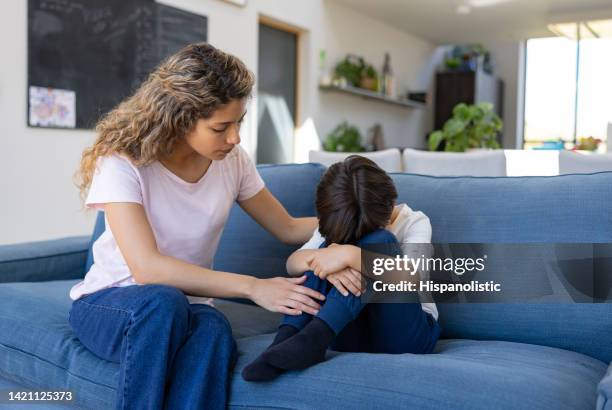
(468, 87)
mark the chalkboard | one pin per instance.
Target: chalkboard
(87, 55)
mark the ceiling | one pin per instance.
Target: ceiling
(464, 21)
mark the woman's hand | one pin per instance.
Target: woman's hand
(286, 295)
(334, 258)
(347, 280)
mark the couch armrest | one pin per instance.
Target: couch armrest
(57, 259)
(604, 391)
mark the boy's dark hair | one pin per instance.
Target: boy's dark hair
(354, 197)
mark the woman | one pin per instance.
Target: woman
(166, 168)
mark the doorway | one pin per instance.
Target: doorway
(277, 92)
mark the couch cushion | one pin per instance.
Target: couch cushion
(43, 260)
(461, 374)
(39, 349)
(487, 163)
(557, 209)
(390, 159)
(245, 246)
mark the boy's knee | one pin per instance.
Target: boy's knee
(378, 236)
(314, 282)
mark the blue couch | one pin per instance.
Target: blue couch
(491, 356)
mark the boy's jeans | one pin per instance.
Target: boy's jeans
(371, 328)
(171, 354)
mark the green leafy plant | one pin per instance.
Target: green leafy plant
(471, 126)
(350, 68)
(344, 138)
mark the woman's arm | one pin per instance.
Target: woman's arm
(268, 212)
(135, 239)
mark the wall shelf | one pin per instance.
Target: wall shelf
(371, 95)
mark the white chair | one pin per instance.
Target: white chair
(489, 163)
(576, 163)
(390, 160)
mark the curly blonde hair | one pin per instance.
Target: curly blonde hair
(185, 87)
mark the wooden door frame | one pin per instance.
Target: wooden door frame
(283, 26)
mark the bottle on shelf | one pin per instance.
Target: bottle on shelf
(388, 86)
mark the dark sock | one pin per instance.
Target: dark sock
(303, 350)
(259, 370)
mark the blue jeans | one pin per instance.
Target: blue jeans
(171, 354)
(371, 328)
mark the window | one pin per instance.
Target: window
(568, 86)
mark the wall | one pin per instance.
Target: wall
(39, 200)
(507, 60)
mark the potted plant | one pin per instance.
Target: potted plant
(587, 144)
(344, 138)
(350, 69)
(471, 126)
(369, 78)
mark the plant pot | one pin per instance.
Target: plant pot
(369, 83)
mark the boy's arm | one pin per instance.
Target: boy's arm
(334, 258)
(297, 263)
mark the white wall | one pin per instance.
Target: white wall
(39, 200)
(508, 65)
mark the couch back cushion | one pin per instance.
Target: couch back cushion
(558, 209)
(389, 159)
(486, 163)
(245, 246)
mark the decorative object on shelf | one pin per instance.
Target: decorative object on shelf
(468, 58)
(344, 138)
(356, 73)
(324, 76)
(420, 96)
(376, 139)
(369, 78)
(350, 69)
(471, 126)
(587, 144)
(388, 85)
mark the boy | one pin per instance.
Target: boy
(355, 206)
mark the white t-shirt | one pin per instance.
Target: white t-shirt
(408, 227)
(187, 219)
